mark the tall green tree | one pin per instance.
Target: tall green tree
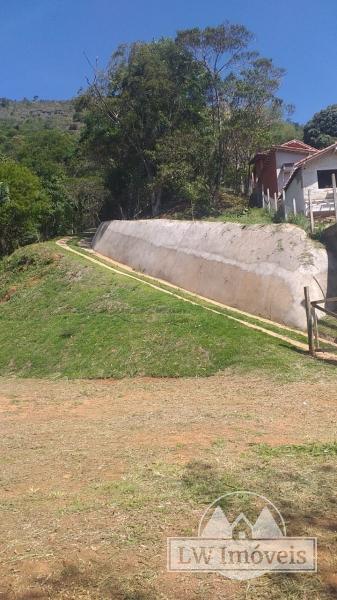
(149, 92)
(180, 118)
(48, 152)
(241, 95)
(24, 206)
(284, 130)
(321, 130)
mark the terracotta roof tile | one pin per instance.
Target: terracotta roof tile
(307, 159)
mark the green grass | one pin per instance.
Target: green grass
(268, 325)
(327, 327)
(239, 212)
(60, 316)
(247, 216)
(312, 449)
(202, 482)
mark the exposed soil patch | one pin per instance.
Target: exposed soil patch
(93, 480)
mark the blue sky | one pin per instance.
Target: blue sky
(42, 41)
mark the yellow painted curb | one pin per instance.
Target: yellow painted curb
(132, 274)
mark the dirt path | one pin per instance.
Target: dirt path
(168, 409)
(79, 471)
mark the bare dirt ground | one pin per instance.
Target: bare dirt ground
(92, 481)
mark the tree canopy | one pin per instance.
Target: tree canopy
(172, 122)
(180, 118)
(24, 206)
(321, 130)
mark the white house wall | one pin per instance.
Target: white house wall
(283, 157)
(310, 181)
(295, 190)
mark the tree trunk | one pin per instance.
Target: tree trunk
(156, 202)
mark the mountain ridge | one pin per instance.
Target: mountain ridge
(59, 114)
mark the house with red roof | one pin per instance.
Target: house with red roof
(311, 180)
(272, 169)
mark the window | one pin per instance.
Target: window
(325, 178)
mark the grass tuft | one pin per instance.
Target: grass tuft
(204, 483)
(312, 449)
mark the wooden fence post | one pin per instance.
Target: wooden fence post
(263, 202)
(284, 204)
(268, 199)
(308, 310)
(275, 201)
(294, 206)
(311, 214)
(334, 193)
(315, 323)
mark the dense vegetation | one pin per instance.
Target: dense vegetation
(170, 125)
(180, 119)
(47, 185)
(37, 114)
(321, 130)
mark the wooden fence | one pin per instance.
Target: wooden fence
(317, 205)
(312, 321)
(270, 203)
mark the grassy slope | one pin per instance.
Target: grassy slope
(235, 210)
(61, 316)
(54, 113)
(266, 324)
(250, 216)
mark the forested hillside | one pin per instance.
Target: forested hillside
(169, 124)
(47, 185)
(58, 114)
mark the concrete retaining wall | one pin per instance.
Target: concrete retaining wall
(261, 269)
